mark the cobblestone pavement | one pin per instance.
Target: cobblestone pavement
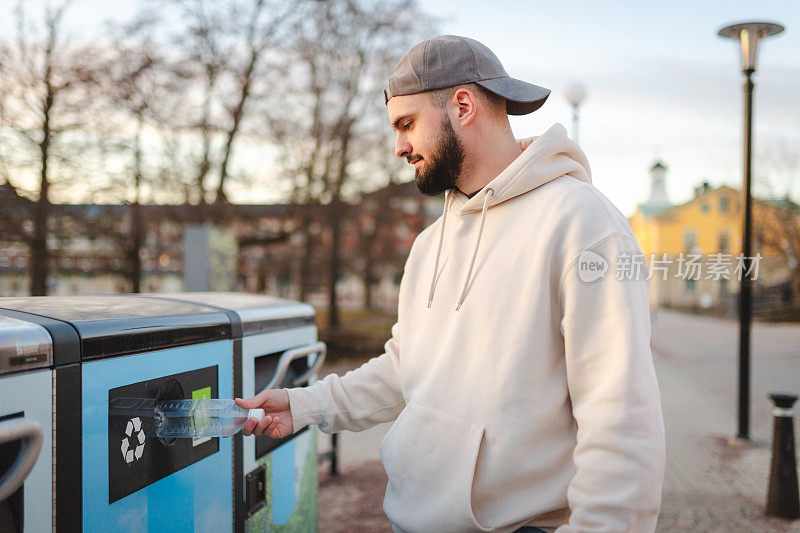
(353, 501)
(713, 482)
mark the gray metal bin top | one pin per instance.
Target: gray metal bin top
(258, 313)
(105, 326)
(23, 346)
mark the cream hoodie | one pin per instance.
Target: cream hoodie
(522, 394)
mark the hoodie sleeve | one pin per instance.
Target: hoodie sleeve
(620, 451)
(360, 399)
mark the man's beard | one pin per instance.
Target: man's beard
(444, 165)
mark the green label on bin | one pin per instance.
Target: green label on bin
(199, 420)
(201, 394)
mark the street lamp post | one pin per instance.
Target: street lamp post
(575, 94)
(748, 34)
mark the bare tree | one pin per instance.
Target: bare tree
(44, 87)
(188, 86)
(777, 218)
(333, 105)
(225, 46)
(377, 247)
(135, 78)
(779, 169)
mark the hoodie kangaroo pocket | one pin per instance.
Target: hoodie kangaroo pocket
(430, 459)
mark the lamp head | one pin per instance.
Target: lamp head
(575, 94)
(748, 34)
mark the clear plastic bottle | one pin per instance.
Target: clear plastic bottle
(201, 418)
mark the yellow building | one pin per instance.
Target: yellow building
(708, 228)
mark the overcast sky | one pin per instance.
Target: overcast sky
(660, 83)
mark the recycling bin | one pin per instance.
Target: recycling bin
(277, 340)
(111, 472)
(26, 414)
(74, 372)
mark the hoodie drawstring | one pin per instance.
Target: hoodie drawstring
(447, 202)
(448, 197)
(489, 194)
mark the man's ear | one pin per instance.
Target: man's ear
(466, 108)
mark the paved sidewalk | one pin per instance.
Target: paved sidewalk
(352, 501)
(713, 482)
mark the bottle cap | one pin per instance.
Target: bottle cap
(258, 414)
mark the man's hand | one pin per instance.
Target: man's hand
(277, 421)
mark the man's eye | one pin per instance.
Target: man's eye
(407, 125)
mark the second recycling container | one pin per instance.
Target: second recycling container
(279, 348)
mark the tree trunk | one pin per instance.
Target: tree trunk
(369, 262)
(134, 259)
(369, 281)
(205, 131)
(40, 255)
(334, 221)
(381, 218)
(137, 229)
(305, 260)
(236, 117)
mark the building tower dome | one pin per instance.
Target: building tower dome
(658, 201)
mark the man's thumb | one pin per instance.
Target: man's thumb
(250, 403)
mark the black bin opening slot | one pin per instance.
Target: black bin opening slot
(256, 490)
(170, 389)
(265, 367)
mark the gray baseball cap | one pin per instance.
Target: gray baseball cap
(450, 60)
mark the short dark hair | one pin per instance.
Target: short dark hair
(496, 103)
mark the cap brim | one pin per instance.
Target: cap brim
(521, 97)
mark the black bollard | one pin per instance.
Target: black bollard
(782, 496)
(334, 455)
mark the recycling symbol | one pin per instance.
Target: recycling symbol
(129, 453)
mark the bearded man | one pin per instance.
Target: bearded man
(519, 373)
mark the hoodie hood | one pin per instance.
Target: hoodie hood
(549, 156)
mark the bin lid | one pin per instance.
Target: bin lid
(258, 313)
(23, 346)
(120, 325)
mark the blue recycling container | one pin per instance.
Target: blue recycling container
(279, 348)
(86, 358)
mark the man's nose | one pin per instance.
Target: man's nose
(402, 148)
